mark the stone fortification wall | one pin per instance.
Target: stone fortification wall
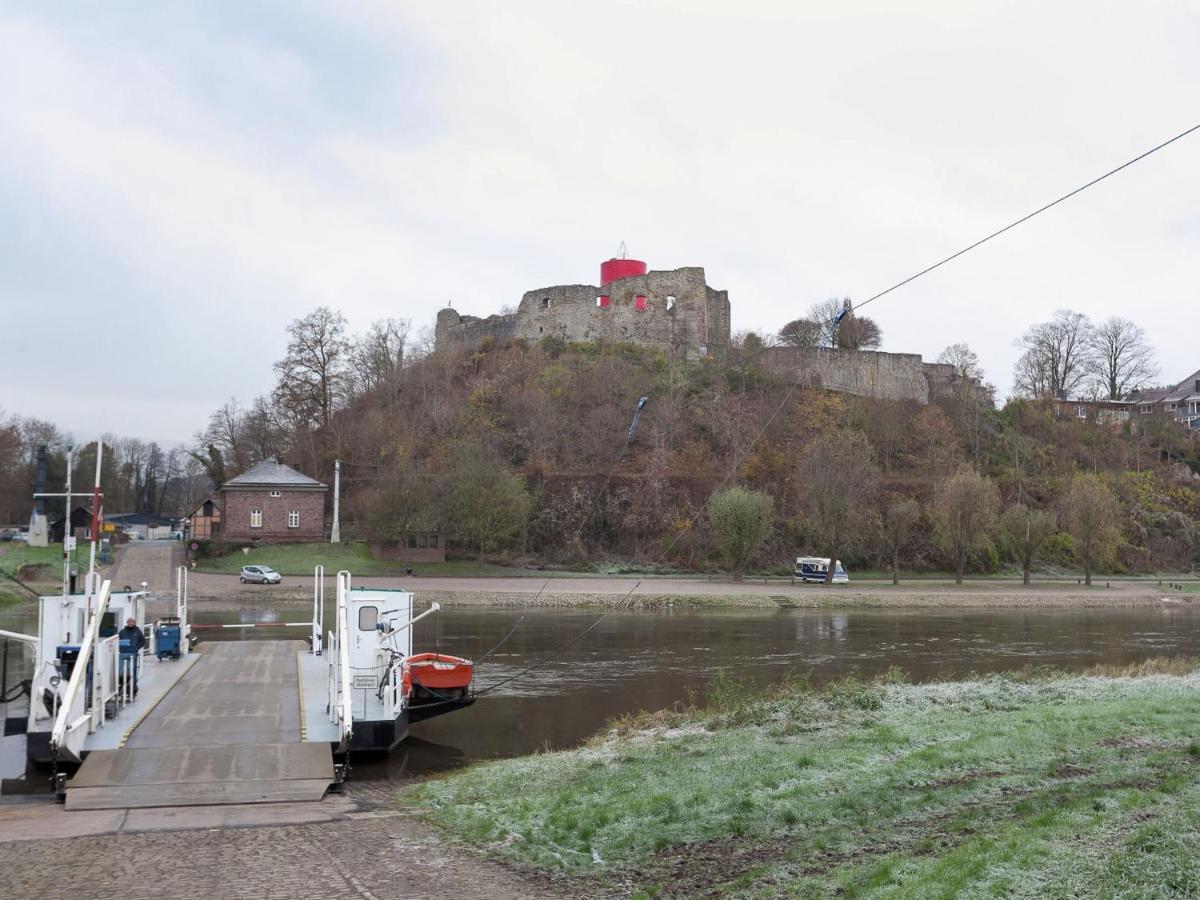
(870, 373)
(865, 373)
(680, 311)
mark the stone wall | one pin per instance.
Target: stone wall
(681, 312)
(870, 373)
(865, 373)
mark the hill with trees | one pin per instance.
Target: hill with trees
(525, 451)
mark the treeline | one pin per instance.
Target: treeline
(526, 451)
(136, 476)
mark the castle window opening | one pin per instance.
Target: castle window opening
(545, 303)
(670, 302)
(603, 301)
(639, 302)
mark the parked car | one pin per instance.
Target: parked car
(260, 575)
(22, 536)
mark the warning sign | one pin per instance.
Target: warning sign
(364, 681)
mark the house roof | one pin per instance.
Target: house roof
(273, 474)
(1185, 388)
(213, 500)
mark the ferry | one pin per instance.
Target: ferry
(124, 726)
(128, 713)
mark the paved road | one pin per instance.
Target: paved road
(150, 561)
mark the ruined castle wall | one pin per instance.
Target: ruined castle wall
(681, 312)
(865, 373)
(455, 331)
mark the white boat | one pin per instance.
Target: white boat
(813, 569)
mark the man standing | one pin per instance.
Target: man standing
(136, 641)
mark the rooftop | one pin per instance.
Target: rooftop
(272, 473)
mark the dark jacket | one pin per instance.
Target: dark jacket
(134, 635)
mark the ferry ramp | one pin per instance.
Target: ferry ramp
(230, 731)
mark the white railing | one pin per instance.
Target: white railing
(70, 725)
(318, 622)
(345, 718)
(104, 678)
(181, 610)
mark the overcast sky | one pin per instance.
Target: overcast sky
(178, 180)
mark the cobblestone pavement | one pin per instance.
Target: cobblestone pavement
(374, 852)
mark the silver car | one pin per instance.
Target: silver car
(260, 575)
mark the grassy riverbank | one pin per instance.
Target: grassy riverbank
(1041, 785)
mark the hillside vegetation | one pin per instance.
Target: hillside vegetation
(525, 451)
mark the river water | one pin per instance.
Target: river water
(648, 660)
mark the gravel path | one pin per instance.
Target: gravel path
(224, 591)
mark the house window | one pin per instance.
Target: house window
(276, 494)
(1146, 408)
(603, 301)
(433, 539)
(208, 509)
(1081, 411)
(639, 303)
(256, 518)
(670, 302)
(293, 518)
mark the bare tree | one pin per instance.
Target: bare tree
(1025, 530)
(377, 356)
(964, 512)
(839, 478)
(803, 333)
(1090, 511)
(1120, 360)
(897, 521)
(313, 376)
(858, 333)
(1056, 360)
(964, 360)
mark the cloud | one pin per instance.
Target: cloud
(183, 182)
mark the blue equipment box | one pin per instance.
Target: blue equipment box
(167, 638)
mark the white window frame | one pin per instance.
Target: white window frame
(293, 518)
(276, 494)
(256, 518)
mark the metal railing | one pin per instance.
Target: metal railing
(318, 622)
(72, 720)
(341, 701)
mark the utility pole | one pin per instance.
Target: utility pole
(335, 533)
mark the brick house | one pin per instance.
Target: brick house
(274, 503)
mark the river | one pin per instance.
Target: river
(648, 660)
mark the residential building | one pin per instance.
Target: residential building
(272, 503)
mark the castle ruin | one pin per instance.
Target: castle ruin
(674, 310)
(677, 311)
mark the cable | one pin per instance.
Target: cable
(787, 396)
(1026, 218)
(549, 656)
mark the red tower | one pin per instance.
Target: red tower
(620, 266)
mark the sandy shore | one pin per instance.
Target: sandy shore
(225, 591)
